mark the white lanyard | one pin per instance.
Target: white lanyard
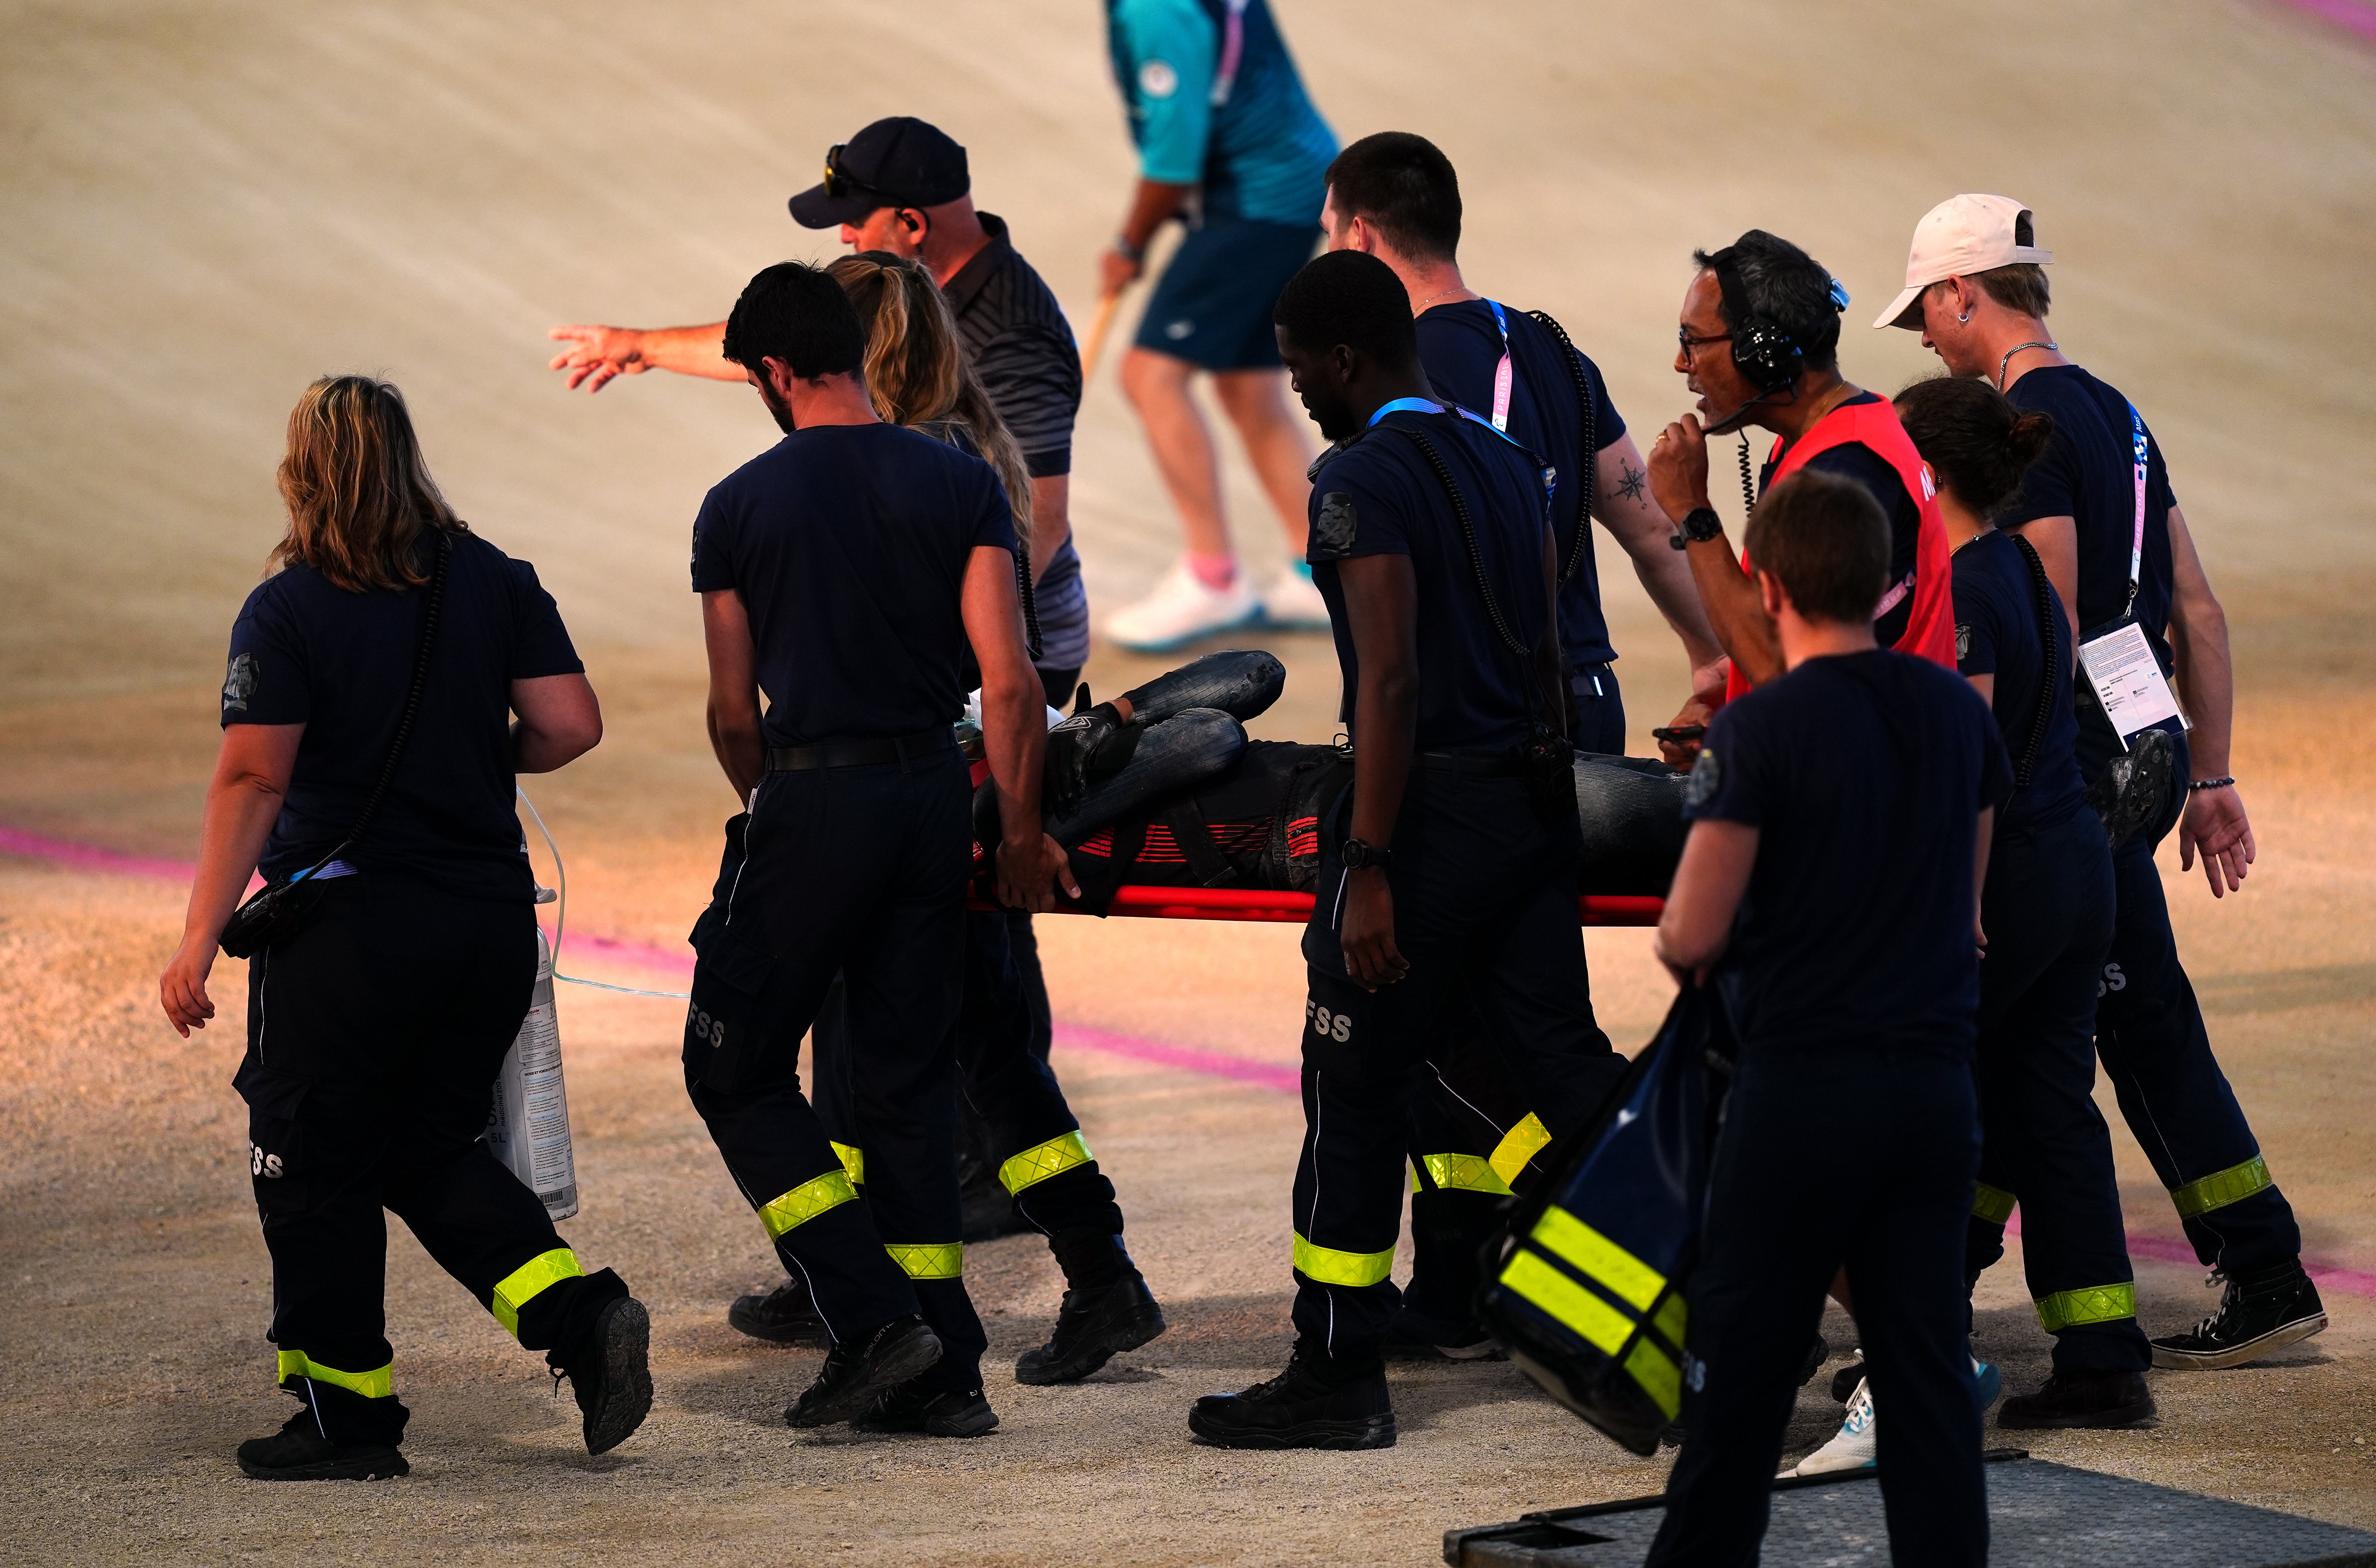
(1501, 372)
(1233, 44)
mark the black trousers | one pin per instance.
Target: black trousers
(2149, 1032)
(1485, 913)
(2048, 912)
(857, 872)
(1600, 719)
(1783, 1212)
(1473, 1141)
(373, 1037)
(1033, 1140)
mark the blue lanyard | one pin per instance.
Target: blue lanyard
(1430, 406)
(1407, 406)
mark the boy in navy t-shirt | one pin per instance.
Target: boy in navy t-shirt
(1829, 888)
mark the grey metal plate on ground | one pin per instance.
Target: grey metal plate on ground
(2040, 1515)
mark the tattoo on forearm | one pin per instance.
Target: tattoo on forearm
(1631, 481)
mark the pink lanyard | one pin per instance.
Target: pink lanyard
(1501, 372)
(1233, 44)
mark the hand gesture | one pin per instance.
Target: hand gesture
(1679, 468)
(2216, 825)
(598, 355)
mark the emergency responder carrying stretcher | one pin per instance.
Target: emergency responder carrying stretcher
(367, 770)
(1444, 868)
(841, 573)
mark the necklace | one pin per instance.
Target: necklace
(1456, 289)
(2009, 354)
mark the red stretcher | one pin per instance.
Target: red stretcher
(1295, 909)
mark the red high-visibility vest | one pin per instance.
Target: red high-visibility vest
(1930, 625)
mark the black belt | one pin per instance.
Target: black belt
(1482, 765)
(922, 746)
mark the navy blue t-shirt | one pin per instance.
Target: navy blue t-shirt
(848, 544)
(1460, 345)
(1377, 495)
(1864, 775)
(1999, 633)
(1855, 460)
(305, 651)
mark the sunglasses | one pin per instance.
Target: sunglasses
(1683, 337)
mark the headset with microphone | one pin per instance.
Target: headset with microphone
(1765, 352)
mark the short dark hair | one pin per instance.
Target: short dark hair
(797, 314)
(1349, 298)
(2020, 287)
(1782, 284)
(1403, 185)
(1974, 440)
(1824, 537)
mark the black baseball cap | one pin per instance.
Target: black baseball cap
(901, 162)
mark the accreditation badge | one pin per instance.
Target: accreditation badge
(2128, 682)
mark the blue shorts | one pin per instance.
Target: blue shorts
(1212, 305)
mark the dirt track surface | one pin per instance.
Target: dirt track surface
(209, 204)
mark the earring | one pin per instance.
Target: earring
(1964, 317)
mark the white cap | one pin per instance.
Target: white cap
(1961, 236)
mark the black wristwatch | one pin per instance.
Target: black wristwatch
(1358, 856)
(1699, 526)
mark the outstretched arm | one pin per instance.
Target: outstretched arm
(596, 355)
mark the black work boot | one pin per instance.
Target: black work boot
(2257, 1315)
(783, 1316)
(299, 1452)
(1315, 1403)
(1092, 1327)
(611, 1374)
(855, 1372)
(2099, 1399)
(944, 1413)
(1415, 1336)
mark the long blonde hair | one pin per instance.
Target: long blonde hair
(357, 488)
(916, 368)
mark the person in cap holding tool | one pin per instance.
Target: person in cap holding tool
(1446, 875)
(1759, 343)
(842, 573)
(1396, 196)
(902, 185)
(387, 683)
(1229, 144)
(2098, 508)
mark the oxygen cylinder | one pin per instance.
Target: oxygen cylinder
(528, 1126)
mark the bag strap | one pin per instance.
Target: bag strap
(1588, 455)
(411, 708)
(1194, 835)
(2050, 628)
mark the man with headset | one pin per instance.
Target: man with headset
(1759, 343)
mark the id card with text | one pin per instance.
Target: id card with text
(2129, 681)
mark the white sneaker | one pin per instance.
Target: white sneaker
(1181, 610)
(1852, 1447)
(1293, 603)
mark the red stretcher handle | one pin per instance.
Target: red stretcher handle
(1253, 903)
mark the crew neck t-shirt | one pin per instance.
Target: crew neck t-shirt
(1999, 631)
(849, 545)
(1022, 347)
(1855, 460)
(1864, 775)
(1377, 495)
(306, 651)
(1460, 345)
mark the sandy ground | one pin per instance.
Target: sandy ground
(210, 203)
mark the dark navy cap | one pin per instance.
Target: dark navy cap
(900, 161)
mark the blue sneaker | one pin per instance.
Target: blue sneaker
(1991, 1382)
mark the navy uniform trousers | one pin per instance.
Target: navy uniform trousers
(373, 1037)
(2048, 912)
(2150, 1035)
(1485, 914)
(859, 872)
(1784, 1212)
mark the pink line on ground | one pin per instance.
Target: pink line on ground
(1213, 1063)
(2358, 16)
(2166, 1249)
(90, 856)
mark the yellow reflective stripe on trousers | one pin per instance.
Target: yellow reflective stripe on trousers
(1599, 1259)
(854, 1163)
(1327, 1266)
(1673, 1317)
(1994, 1205)
(1599, 1325)
(1463, 1173)
(806, 1202)
(523, 1284)
(375, 1384)
(928, 1260)
(1042, 1161)
(1521, 1144)
(2221, 1188)
(2094, 1303)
